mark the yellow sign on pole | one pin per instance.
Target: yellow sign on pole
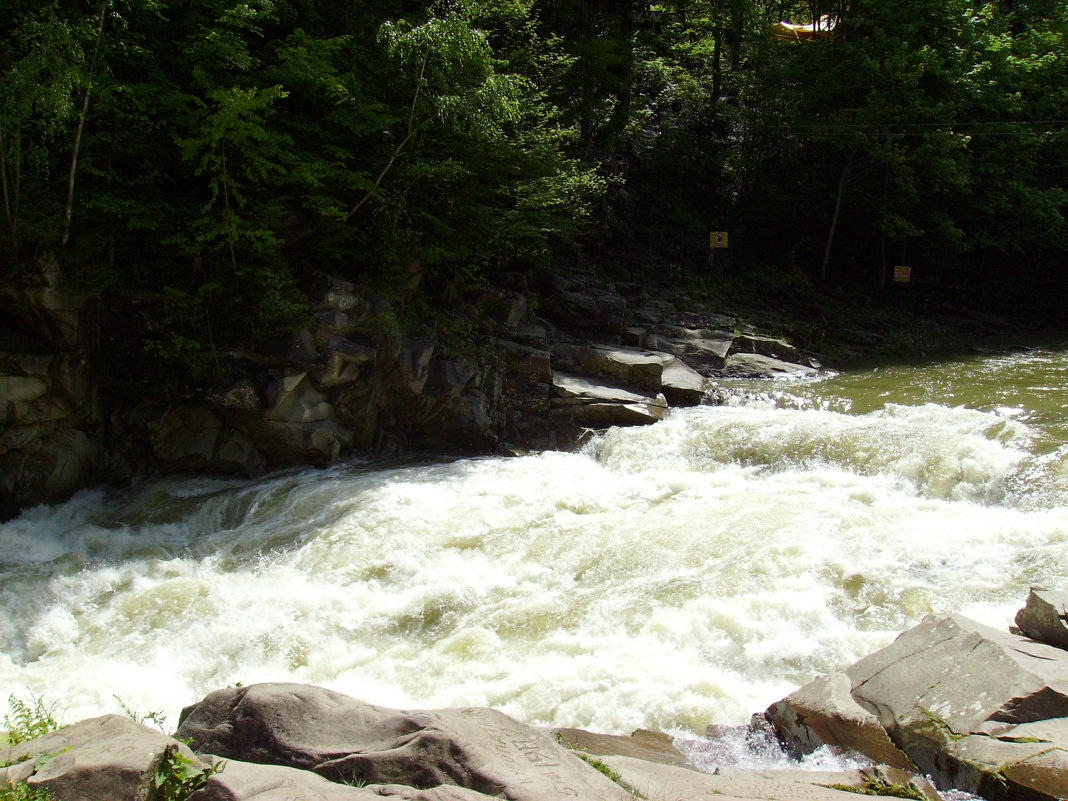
(717, 239)
(902, 275)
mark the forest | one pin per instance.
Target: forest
(220, 154)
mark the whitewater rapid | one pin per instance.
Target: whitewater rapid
(667, 577)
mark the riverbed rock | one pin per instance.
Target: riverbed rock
(1045, 617)
(343, 739)
(598, 403)
(755, 365)
(680, 383)
(108, 757)
(657, 780)
(629, 367)
(651, 746)
(774, 347)
(978, 709)
(823, 712)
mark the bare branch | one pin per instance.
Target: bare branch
(400, 145)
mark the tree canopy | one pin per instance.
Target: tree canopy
(219, 152)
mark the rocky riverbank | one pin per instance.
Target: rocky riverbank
(522, 365)
(970, 708)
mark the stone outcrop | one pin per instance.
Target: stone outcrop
(72, 413)
(347, 740)
(978, 709)
(279, 742)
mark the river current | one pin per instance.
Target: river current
(667, 577)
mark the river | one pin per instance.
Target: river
(667, 577)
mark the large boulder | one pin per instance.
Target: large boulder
(107, 757)
(347, 740)
(978, 709)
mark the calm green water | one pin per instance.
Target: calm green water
(668, 577)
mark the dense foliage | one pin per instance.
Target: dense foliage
(217, 152)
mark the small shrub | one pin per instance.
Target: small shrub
(175, 777)
(28, 720)
(23, 792)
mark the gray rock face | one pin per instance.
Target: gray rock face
(347, 740)
(978, 709)
(350, 380)
(51, 416)
(1045, 617)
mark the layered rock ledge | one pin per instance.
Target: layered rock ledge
(77, 406)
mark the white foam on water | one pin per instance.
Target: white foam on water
(670, 577)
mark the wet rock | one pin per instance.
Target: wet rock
(343, 739)
(824, 713)
(1045, 617)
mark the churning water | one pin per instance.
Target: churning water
(669, 577)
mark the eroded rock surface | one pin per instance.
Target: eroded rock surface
(347, 740)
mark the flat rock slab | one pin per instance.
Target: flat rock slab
(347, 740)
(596, 402)
(643, 744)
(1045, 617)
(629, 366)
(246, 781)
(861, 780)
(655, 781)
(101, 758)
(755, 365)
(578, 389)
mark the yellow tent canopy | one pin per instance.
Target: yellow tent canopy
(804, 32)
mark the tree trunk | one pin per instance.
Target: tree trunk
(834, 217)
